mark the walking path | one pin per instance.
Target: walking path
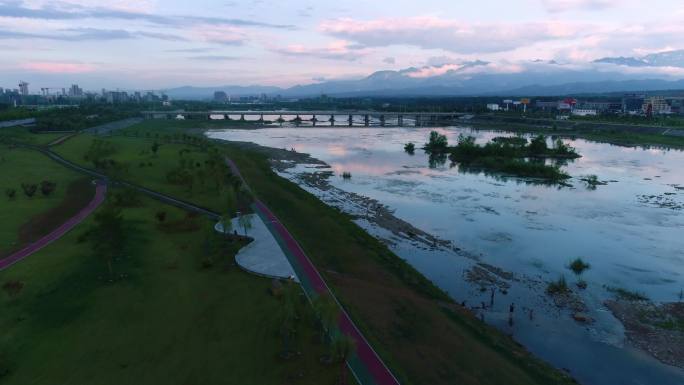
(263, 256)
(100, 192)
(365, 364)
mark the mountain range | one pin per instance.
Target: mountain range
(481, 78)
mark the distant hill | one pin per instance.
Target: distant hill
(662, 59)
(479, 78)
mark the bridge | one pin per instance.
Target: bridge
(316, 117)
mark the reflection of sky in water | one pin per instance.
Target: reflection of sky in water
(518, 226)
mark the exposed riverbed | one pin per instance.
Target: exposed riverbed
(471, 233)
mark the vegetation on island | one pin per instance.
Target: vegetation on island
(578, 267)
(512, 156)
(410, 148)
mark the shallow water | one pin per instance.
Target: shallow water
(623, 229)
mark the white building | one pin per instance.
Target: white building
(493, 107)
(584, 112)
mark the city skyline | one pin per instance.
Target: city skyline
(155, 45)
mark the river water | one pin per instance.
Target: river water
(630, 230)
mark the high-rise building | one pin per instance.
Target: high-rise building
(220, 96)
(75, 91)
(23, 88)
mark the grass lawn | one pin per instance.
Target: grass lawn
(150, 170)
(19, 166)
(166, 319)
(22, 134)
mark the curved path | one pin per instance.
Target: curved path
(365, 364)
(55, 234)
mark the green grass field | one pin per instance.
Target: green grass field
(22, 134)
(150, 170)
(19, 166)
(165, 320)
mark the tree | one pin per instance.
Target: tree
(245, 222)
(437, 142)
(47, 187)
(226, 224)
(29, 189)
(341, 348)
(327, 312)
(289, 316)
(155, 147)
(108, 235)
(538, 145)
(409, 148)
(161, 216)
(11, 193)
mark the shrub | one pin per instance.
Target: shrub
(410, 148)
(346, 175)
(578, 266)
(13, 288)
(559, 286)
(47, 187)
(11, 193)
(161, 216)
(29, 189)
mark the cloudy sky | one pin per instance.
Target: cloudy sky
(154, 44)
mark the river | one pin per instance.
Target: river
(631, 232)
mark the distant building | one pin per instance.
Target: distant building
(23, 88)
(584, 112)
(493, 107)
(546, 105)
(220, 96)
(656, 105)
(633, 103)
(75, 91)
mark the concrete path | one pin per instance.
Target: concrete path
(365, 363)
(263, 256)
(99, 197)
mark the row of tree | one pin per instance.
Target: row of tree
(46, 187)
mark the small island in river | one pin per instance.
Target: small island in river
(509, 155)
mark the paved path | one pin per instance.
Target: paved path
(100, 192)
(263, 256)
(367, 366)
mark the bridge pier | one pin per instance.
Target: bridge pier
(350, 120)
(366, 120)
(332, 120)
(382, 120)
(242, 117)
(400, 120)
(314, 120)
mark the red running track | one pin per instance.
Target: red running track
(100, 192)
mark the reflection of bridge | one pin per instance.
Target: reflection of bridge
(344, 118)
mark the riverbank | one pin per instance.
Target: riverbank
(622, 135)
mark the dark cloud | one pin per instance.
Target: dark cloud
(85, 34)
(215, 58)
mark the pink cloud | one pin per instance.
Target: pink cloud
(431, 32)
(58, 68)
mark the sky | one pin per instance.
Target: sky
(154, 44)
